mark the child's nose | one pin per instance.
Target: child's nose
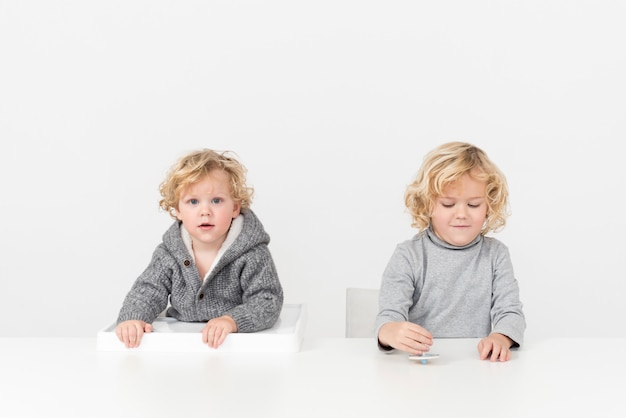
(461, 211)
(205, 209)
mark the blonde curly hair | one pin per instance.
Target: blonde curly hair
(193, 167)
(446, 164)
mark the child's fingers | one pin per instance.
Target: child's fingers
(484, 350)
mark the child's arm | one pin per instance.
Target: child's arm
(262, 293)
(507, 315)
(405, 336)
(130, 332)
(149, 293)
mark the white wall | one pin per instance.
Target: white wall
(331, 105)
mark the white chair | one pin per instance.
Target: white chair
(361, 311)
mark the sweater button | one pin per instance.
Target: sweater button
(187, 263)
(201, 296)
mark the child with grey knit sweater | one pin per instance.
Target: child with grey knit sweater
(450, 280)
(213, 264)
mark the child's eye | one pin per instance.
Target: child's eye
(193, 201)
(447, 205)
(216, 200)
(472, 206)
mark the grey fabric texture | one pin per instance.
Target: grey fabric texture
(455, 292)
(244, 283)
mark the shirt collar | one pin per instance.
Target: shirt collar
(438, 241)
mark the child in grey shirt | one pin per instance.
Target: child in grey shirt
(450, 280)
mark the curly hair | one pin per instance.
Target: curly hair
(193, 167)
(446, 164)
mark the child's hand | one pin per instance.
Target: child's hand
(215, 331)
(130, 332)
(497, 347)
(405, 336)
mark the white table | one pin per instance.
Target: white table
(68, 377)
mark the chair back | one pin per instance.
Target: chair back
(361, 311)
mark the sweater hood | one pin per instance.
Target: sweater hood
(252, 235)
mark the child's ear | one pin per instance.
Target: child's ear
(236, 210)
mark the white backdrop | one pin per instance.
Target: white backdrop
(331, 105)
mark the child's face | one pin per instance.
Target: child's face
(207, 209)
(459, 213)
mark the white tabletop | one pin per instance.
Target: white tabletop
(68, 377)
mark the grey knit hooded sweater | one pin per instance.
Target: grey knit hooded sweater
(243, 284)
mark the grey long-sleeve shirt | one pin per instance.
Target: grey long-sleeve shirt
(457, 292)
